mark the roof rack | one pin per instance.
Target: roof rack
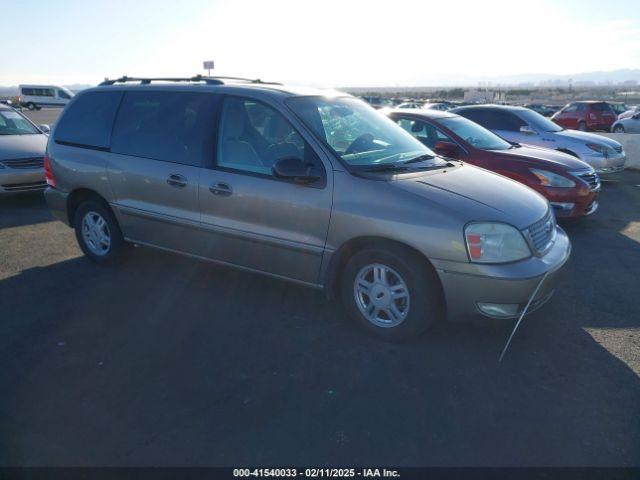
(197, 78)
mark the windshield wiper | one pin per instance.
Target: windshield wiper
(389, 167)
(401, 167)
(420, 158)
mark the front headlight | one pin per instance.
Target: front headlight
(495, 243)
(550, 179)
(601, 149)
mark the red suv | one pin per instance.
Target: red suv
(586, 116)
(569, 184)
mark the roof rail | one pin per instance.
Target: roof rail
(197, 78)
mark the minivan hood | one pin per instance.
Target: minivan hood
(22, 146)
(587, 137)
(543, 157)
(478, 195)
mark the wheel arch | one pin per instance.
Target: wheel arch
(341, 256)
(80, 195)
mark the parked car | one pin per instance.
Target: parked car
(629, 113)
(37, 96)
(545, 110)
(306, 185)
(524, 126)
(410, 105)
(22, 148)
(441, 106)
(627, 124)
(586, 116)
(377, 102)
(570, 185)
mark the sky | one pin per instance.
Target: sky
(318, 43)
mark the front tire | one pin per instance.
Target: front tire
(31, 106)
(618, 129)
(391, 293)
(98, 233)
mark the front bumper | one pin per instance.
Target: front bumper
(57, 203)
(605, 165)
(466, 285)
(14, 181)
(573, 202)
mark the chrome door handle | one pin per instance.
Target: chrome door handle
(177, 180)
(221, 189)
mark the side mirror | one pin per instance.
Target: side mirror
(45, 128)
(295, 169)
(446, 149)
(527, 130)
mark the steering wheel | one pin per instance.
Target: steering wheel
(360, 144)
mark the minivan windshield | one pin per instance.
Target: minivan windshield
(359, 135)
(12, 123)
(539, 122)
(476, 135)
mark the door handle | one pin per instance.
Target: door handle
(177, 180)
(220, 189)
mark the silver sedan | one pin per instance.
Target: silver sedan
(22, 149)
(627, 125)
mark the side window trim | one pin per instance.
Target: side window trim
(214, 164)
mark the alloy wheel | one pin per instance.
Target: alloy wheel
(96, 234)
(382, 295)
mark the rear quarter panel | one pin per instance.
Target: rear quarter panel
(75, 168)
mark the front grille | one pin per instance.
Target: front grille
(542, 233)
(592, 179)
(34, 162)
(24, 187)
(618, 149)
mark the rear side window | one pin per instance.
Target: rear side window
(170, 126)
(502, 120)
(601, 107)
(88, 120)
(475, 115)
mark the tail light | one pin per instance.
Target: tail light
(48, 173)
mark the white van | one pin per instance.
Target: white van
(37, 96)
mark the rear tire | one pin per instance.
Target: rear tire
(98, 233)
(582, 126)
(391, 293)
(618, 129)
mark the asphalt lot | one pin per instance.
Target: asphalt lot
(170, 361)
(46, 115)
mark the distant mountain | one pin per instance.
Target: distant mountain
(598, 77)
(615, 77)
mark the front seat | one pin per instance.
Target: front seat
(234, 149)
(278, 131)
